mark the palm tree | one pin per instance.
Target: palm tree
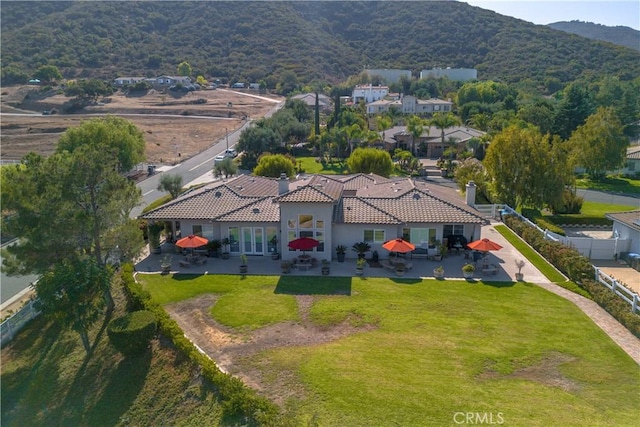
(382, 124)
(443, 121)
(415, 126)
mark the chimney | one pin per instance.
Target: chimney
(470, 197)
(283, 183)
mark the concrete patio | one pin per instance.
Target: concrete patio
(422, 268)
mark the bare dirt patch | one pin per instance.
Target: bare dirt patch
(172, 132)
(546, 371)
(232, 349)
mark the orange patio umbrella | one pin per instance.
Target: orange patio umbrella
(484, 245)
(398, 245)
(191, 242)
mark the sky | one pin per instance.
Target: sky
(542, 12)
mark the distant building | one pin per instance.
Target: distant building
(410, 105)
(369, 93)
(389, 75)
(324, 102)
(456, 74)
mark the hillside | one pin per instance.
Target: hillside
(621, 36)
(322, 40)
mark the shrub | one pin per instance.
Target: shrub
(131, 333)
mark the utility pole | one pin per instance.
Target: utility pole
(227, 135)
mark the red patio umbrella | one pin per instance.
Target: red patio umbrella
(484, 245)
(303, 244)
(398, 245)
(192, 242)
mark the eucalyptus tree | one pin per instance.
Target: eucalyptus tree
(172, 184)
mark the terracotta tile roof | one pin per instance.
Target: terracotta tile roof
(633, 153)
(357, 211)
(313, 189)
(630, 219)
(264, 210)
(219, 198)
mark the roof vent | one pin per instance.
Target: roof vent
(416, 196)
(256, 210)
(218, 194)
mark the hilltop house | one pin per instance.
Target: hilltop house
(430, 142)
(156, 82)
(369, 93)
(410, 105)
(261, 215)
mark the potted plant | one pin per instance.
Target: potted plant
(341, 251)
(400, 268)
(467, 270)
(443, 250)
(325, 267)
(213, 246)
(519, 275)
(361, 248)
(165, 264)
(275, 255)
(243, 264)
(438, 272)
(285, 266)
(360, 263)
(438, 255)
(225, 244)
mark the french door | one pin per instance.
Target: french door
(253, 240)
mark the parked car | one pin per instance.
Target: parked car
(231, 152)
(238, 86)
(224, 155)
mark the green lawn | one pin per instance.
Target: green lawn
(436, 348)
(311, 166)
(611, 185)
(599, 209)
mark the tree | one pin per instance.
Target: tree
(415, 126)
(47, 73)
(600, 144)
(256, 140)
(88, 89)
(370, 160)
(288, 83)
(121, 138)
(272, 165)
(572, 110)
(406, 160)
(172, 184)
(184, 69)
(13, 76)
(521, 168)
(69, 294)
(225, 168)
(383, 123)
(472, 170)
(443, 121)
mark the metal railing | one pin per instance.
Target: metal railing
(13, 324)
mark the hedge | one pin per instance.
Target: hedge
(238, 400)
(578, 269)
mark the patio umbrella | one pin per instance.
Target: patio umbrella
(398, 245)
(303, 244)
(484, 245)
(191, 242)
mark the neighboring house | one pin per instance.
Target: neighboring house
(121, 81)
(368, 93)
(389, 75)
(324, 102)
(430, 142)
(410, 105)
(157, 82)
(455, 74)
(626, 225)
(632, 165)
(333, 209)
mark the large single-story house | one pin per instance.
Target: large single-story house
(430, 142)
(158, 82)
(410, 105)
(261, 215)
(324, 102)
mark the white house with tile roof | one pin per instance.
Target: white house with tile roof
(410, 105)
(333, 209)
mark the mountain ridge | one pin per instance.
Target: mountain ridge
(619, 35)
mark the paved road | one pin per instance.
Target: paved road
(613, 199)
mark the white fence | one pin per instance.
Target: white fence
(619, 289)
(13, 324)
